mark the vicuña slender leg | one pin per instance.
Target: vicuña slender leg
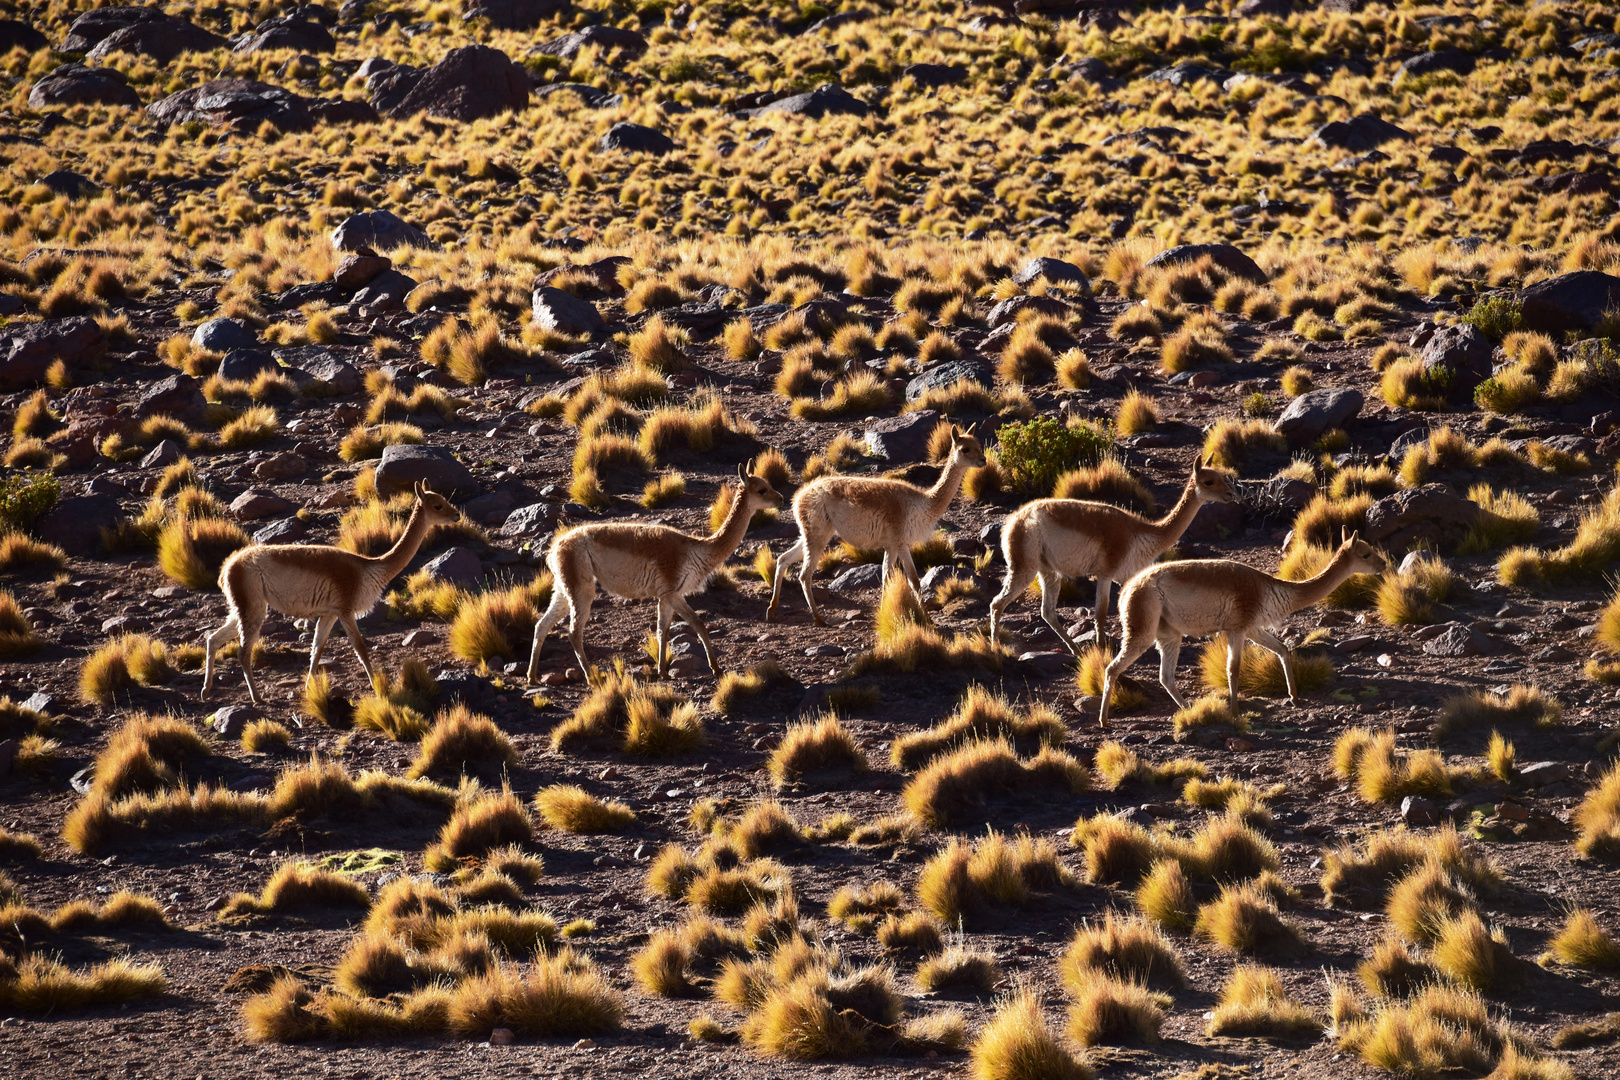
(1234, 666)
(211, 643)
(1169, 652)
(323, 629)
(1012, 587)
(684, 610)
(914, 580)
(582, 602)
(1051, 586)
(666, 613)
(542, 627)
(813, 547)
(361, 649)
(787, 559)
(1105, 587)
(1131, 647)
(248, 635)
(1269, 641)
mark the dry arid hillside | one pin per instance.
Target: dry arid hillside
(1328, 288)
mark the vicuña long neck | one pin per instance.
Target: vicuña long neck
(945, 488)
(724, 540)
(1330, 577)
(404, 550)
(1180, 518)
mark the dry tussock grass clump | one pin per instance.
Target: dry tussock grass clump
(124, 663)
(1424, 899)
(463, 743)
(958, 784)
(815, 751)
(1260, 671)
(17, 846)
(35, 984)
(1363, 877)
(1119, 765)
(829, 1010)
(1131, 949)
(1244, 919)
(735, 688)
(399, 708)
(1206, 714)
(499, 623)
(1441, 1030)
(1593, 551)
(718, 879)
(981, 715)
(1598, 818)
(862, 910)
(1522, 704)
(1110, 1010)
(570, 808)
(1583, 942)
(913, 649)
(1255, 1004)
(648, 720)
(1107, 481)
(966, 884)
(1121, 852)
(18, 551)
(478, 827)
(1384, 774)
(1231, 444)
(1166, 896)
(673, 961)
(297, 886)
(1017, 1044)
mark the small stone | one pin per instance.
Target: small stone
(162, 455)
(825, 650)
(1512, 811)
(1416, 810)
(585, 1044)
(458, 566)
(1238, 745)
(288, 530)
(230, 721)
(417, 639)
(255, 504)
(502, 1037)
(283, 466)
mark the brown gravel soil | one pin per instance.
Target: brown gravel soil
(194, 1028)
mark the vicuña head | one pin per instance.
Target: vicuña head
(756, 490)
(1210, 484)
(966, 446)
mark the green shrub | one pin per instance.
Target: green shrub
(1496, 316)
(1034, 453)
(25, 497)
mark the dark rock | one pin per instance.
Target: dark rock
(1430, 62)
(471, 690)
(163, 455)
(27, 350)
(380, 230)
(634, 138)
(243, 105)
(19, 35)
(534, 521)
(402, 466)
(458, 566)
(1418, 811)
(1006, 312)
(73, 185)
(513, 14)
(75, 524)
(286, 531)
(355, 271)
(1579, 299)
(75, 84)
(1459, 640)
(232, 720)
(87, 30)
(1448, 155)
(283, 466)
(245, 365)
(179, 396)
(163, 39)
(1431, 513)
(945, 374)
(385, 292)
(1215, 521)
(223, 335)
(1316, 412)
(602, 37)
(342, 377)
(863, 576)
(470, 83)
(1254, 9)
(828, 99)
(936, 74)
(255, 504)
(1187, 73)
(491, 509)
(1358, 134)
(1463, 351)
(1225, 256)
(341, 111)
(40, 702)
(563, 312)
(1055, 271)
(287, 32)
(1289, 492)
(901, 438)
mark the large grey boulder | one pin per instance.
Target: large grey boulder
(1431, 514)
(179, 396)
(901, 438)
(403, 465)
(245, 365)
(562, 312)
(602, 37)
(1464, 352)
(828, 99)
(1358, 134)
(243, 105)
(1225, 256)
(381, 230)
(470, 83)
(636, 138)
(947, 374)
(513, 14)
(19, 35)
(76, 522)
(287, 32)
(1427, 63)
(163, 39)
(223, 335)
(535, 520)
(1313, 414)
(27, 350)
(76, 84)
(1054, 271)
(1577, 300)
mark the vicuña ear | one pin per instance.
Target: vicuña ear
(1350, 541)
(416, 489)
(751, 465)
